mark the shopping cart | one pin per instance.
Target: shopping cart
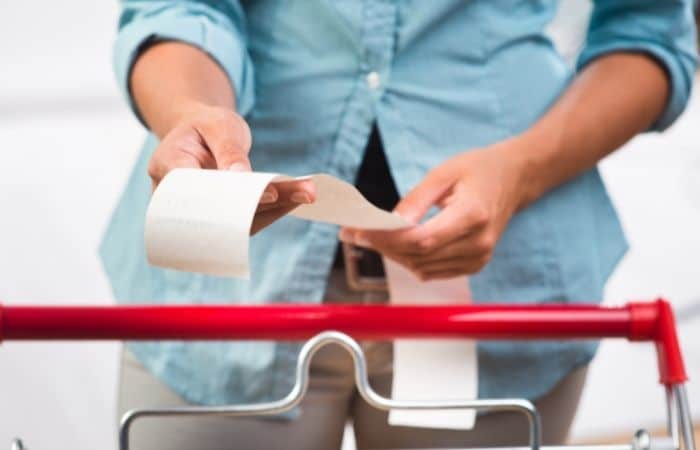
(343, 324)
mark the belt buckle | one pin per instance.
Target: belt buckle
(353, 276)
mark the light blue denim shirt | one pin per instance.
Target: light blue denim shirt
(452, 76)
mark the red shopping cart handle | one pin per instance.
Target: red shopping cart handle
(640, 321)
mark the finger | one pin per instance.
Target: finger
(181, 148)
(296, 191)
(383, 241)
(422, 197)
(451, 223)
(442, 275)
(265, 218)
(289, 194)
(159, 166)
(409, 241)
(269, 196)
(469, 245)
(467, 265)
(277, 204)
(229, 140)
(189, 141)
(461, 248)
(293, 192)
(455, 221)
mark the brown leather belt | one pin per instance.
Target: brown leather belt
(364, 269)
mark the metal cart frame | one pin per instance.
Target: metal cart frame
(639, 321)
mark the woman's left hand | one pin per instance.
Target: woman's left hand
(477, 191)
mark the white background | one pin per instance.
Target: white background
(67, 142)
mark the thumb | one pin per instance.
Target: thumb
(421, 198)
(229, 142)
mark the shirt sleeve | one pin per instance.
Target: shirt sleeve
(663, 29)
(215, 26)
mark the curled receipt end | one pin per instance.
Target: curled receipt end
(200, 220)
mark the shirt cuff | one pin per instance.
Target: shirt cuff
(680, 82)
(224, 44)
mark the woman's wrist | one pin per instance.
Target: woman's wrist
(612, 99)
(171, 81)
(525, 159)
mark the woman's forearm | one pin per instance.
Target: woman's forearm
(171, 78)
(479, 190)
(188, 102)
(613, 99)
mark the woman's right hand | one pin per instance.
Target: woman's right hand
(206, 137)
(213, 137)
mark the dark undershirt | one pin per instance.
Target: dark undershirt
(374, 181)
(374, 178)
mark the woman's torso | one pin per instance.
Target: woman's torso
(437, 78)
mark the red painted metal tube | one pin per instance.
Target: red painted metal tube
(651, 321)
(296, 322)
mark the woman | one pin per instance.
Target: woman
(463, 106)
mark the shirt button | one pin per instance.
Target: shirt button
(373, 80)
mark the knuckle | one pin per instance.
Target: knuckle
(215, 115)
(486, 243)
(228, 125)
(223, 115)
(237, 135)
(412, 246)
(219, 123)
(480, 215)
(424, 246)
(207, 123)
(423, 250)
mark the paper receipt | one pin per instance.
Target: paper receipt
(199, 220)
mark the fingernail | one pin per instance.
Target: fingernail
(268, 197)
(300, 197)
(362, 241)
(238, 167)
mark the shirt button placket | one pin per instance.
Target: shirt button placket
(374, 80)
(379, 35)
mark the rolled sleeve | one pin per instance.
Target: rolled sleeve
(663, 29)
(220, 32)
